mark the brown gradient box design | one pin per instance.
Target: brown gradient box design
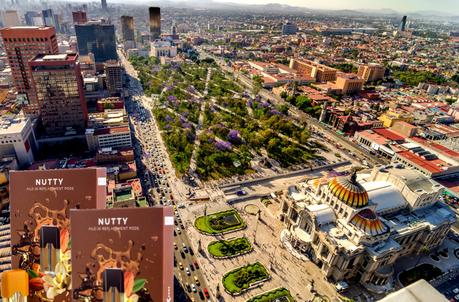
(122, 255)
(40, 202)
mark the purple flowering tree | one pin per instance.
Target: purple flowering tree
(222, 145)
(234, 136)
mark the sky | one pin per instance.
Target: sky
(449, 6)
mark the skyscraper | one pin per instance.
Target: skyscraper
(48, 17)
(21, 45)
(79, 17)
(127, 28)
(98, 38)
(59, 88)
(403, 24)
(155, 22)
(104, 4)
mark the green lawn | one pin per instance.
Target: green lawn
(241, 278)
(219, 222)
(225, 248)
(279, 294)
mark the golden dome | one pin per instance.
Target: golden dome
(349, 191)
(367, 221)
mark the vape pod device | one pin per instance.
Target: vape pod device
(113, 283)
(15, 286)
(50, 244)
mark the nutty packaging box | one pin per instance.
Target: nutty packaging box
(40, 202)
(123, 255)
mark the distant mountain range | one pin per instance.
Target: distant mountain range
(288, 9)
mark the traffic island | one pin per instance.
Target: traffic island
(220, 223)
(245, 278)
(279, 294)
(223, 249)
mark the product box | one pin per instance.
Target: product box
(40, 203)
(123, 255)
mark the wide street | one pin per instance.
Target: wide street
(163, 186)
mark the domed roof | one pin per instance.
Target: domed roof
(348, 190)
(367, 221)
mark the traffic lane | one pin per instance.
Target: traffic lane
(189, 259)
(186, 263)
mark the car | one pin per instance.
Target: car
(178, 231)
(241, 193)
(175, 246)
(196, 264)
(191, 251)
(175, 233)
(187, 271)
(188, 287)
(193, 288)
(181, 205)
(456, 297)
(185, 249)
(180, 264)
(196, 280)
(456, 290)
(206, 293)
(201, 295)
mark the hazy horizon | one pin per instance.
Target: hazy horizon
(406, 5)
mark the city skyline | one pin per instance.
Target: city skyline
(443, 6)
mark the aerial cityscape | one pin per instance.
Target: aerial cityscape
(229, 151)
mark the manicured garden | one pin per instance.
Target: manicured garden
(278, 294)
(424, 271)
(220, 222)
(227, 248)
(241, 278)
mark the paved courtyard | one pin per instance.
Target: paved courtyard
(286, 270)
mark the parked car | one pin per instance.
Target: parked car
(241, 193)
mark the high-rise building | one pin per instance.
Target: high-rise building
(127, 28)
(10, 18)
(289, 28)
(21, 45)
(79, 17)
(59, 86)
(403, 24)
(48, 17)
(114, 76)
(174, 29)
(371, 72)
(33, 18)
(98, 38)
(104, 4)
(155, 22)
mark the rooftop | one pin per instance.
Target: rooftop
(10, 124)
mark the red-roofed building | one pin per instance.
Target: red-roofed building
(390, 135)
(439, 150)
(378, 141)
